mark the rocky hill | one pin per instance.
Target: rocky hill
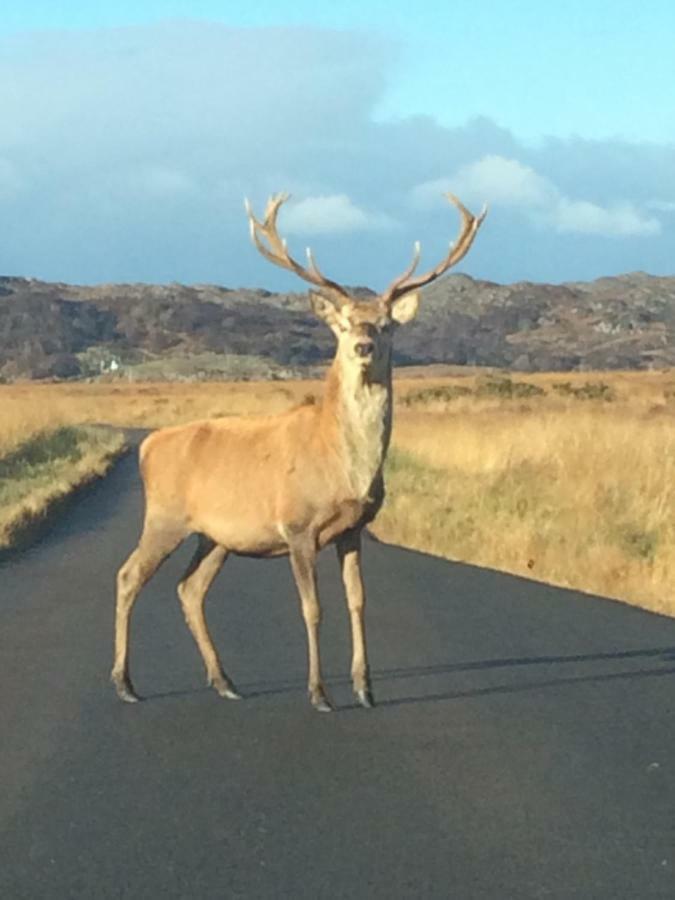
(61, 330)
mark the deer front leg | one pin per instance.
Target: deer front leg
(303, 561)
(349, 554)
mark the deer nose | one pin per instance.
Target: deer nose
(364, 348)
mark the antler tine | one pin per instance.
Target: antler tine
(458, 249)
(313, 268)
(417, 252)
(272, 208)
(470, 225)
(276, 251)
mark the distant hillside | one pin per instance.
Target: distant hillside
(59, 330)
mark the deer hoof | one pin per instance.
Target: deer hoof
(230, 694)
(320, 703)
(365, 698)
(125, 691)
(226, 690)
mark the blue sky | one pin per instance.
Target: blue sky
(131, 130)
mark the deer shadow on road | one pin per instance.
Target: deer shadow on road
(554, 666)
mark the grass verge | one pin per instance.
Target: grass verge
(578, 497)
(46, 467)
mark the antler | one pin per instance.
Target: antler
(405, 283)
(277, 252)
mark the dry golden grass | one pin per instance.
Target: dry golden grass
(575, 492)
(24, 407)
(567, 484)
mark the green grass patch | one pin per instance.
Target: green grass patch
(46, 468)
(42, 450)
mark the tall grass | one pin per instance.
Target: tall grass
(25, 408)
(577, 496)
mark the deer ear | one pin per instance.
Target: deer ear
(405, 308)
(325, 309)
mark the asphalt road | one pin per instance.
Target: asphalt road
(523, 745)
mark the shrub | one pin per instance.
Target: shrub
(590, 390)
(504, 388)
(442, 394)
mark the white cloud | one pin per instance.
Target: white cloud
(331, 214)
(492, 179)
(582, 217)
(511, 184)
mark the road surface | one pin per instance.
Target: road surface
(523, 745)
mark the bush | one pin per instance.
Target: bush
(507, 389)
(442, 394)
(57, 365)
(590, 390)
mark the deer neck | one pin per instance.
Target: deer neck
(360, 408)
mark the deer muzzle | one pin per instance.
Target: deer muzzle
(364, 349)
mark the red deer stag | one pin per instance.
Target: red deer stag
(287, 484)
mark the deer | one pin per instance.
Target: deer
(287, 484)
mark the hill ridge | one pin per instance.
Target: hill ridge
(55, 329)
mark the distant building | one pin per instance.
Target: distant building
(109, 365)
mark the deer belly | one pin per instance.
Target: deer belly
(242, 527)
(244, 538)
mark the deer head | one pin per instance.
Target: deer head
(364, 329)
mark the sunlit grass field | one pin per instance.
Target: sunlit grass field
(566, 478)
(27, 407)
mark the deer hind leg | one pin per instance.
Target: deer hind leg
(303, 560)
(155, 545)
(205, 565)
(349, 554)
